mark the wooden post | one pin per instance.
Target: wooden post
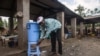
(81, 28)
(73, 27)
(11, 24)
(93, 28)
(60, 17)
(23, 7)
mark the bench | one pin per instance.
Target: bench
(6, 39)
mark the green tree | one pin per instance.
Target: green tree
(80, 9)
(84, 14)
(88, 11)
(1, 22)
(98, 11)
(5, 23)
(15, 22)
(92, 12)
(95, 10)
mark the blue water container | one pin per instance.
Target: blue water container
(33, 31)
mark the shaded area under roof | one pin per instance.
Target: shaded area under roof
(92, 19)
(46, 8)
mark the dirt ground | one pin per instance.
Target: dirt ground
(87, 46)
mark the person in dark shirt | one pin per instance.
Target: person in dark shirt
(66, 31)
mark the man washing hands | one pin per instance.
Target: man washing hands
(52, 27)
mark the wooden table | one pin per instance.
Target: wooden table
(6, 39)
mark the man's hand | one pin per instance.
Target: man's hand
(40, 41)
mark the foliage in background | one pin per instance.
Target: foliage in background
(1, 22)
(15, 22)
(82, 11)
(91, 12)
(5, 24)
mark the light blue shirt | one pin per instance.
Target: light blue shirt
(51, 24)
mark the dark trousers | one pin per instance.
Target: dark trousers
(56, 36)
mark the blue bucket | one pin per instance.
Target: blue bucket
(33, 30)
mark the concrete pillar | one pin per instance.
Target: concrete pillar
(60, 17)
(23, 15)
(73, 27)
(81, 28)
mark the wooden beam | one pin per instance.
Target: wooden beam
(42, 7)
(2, 12)
(9, 9)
